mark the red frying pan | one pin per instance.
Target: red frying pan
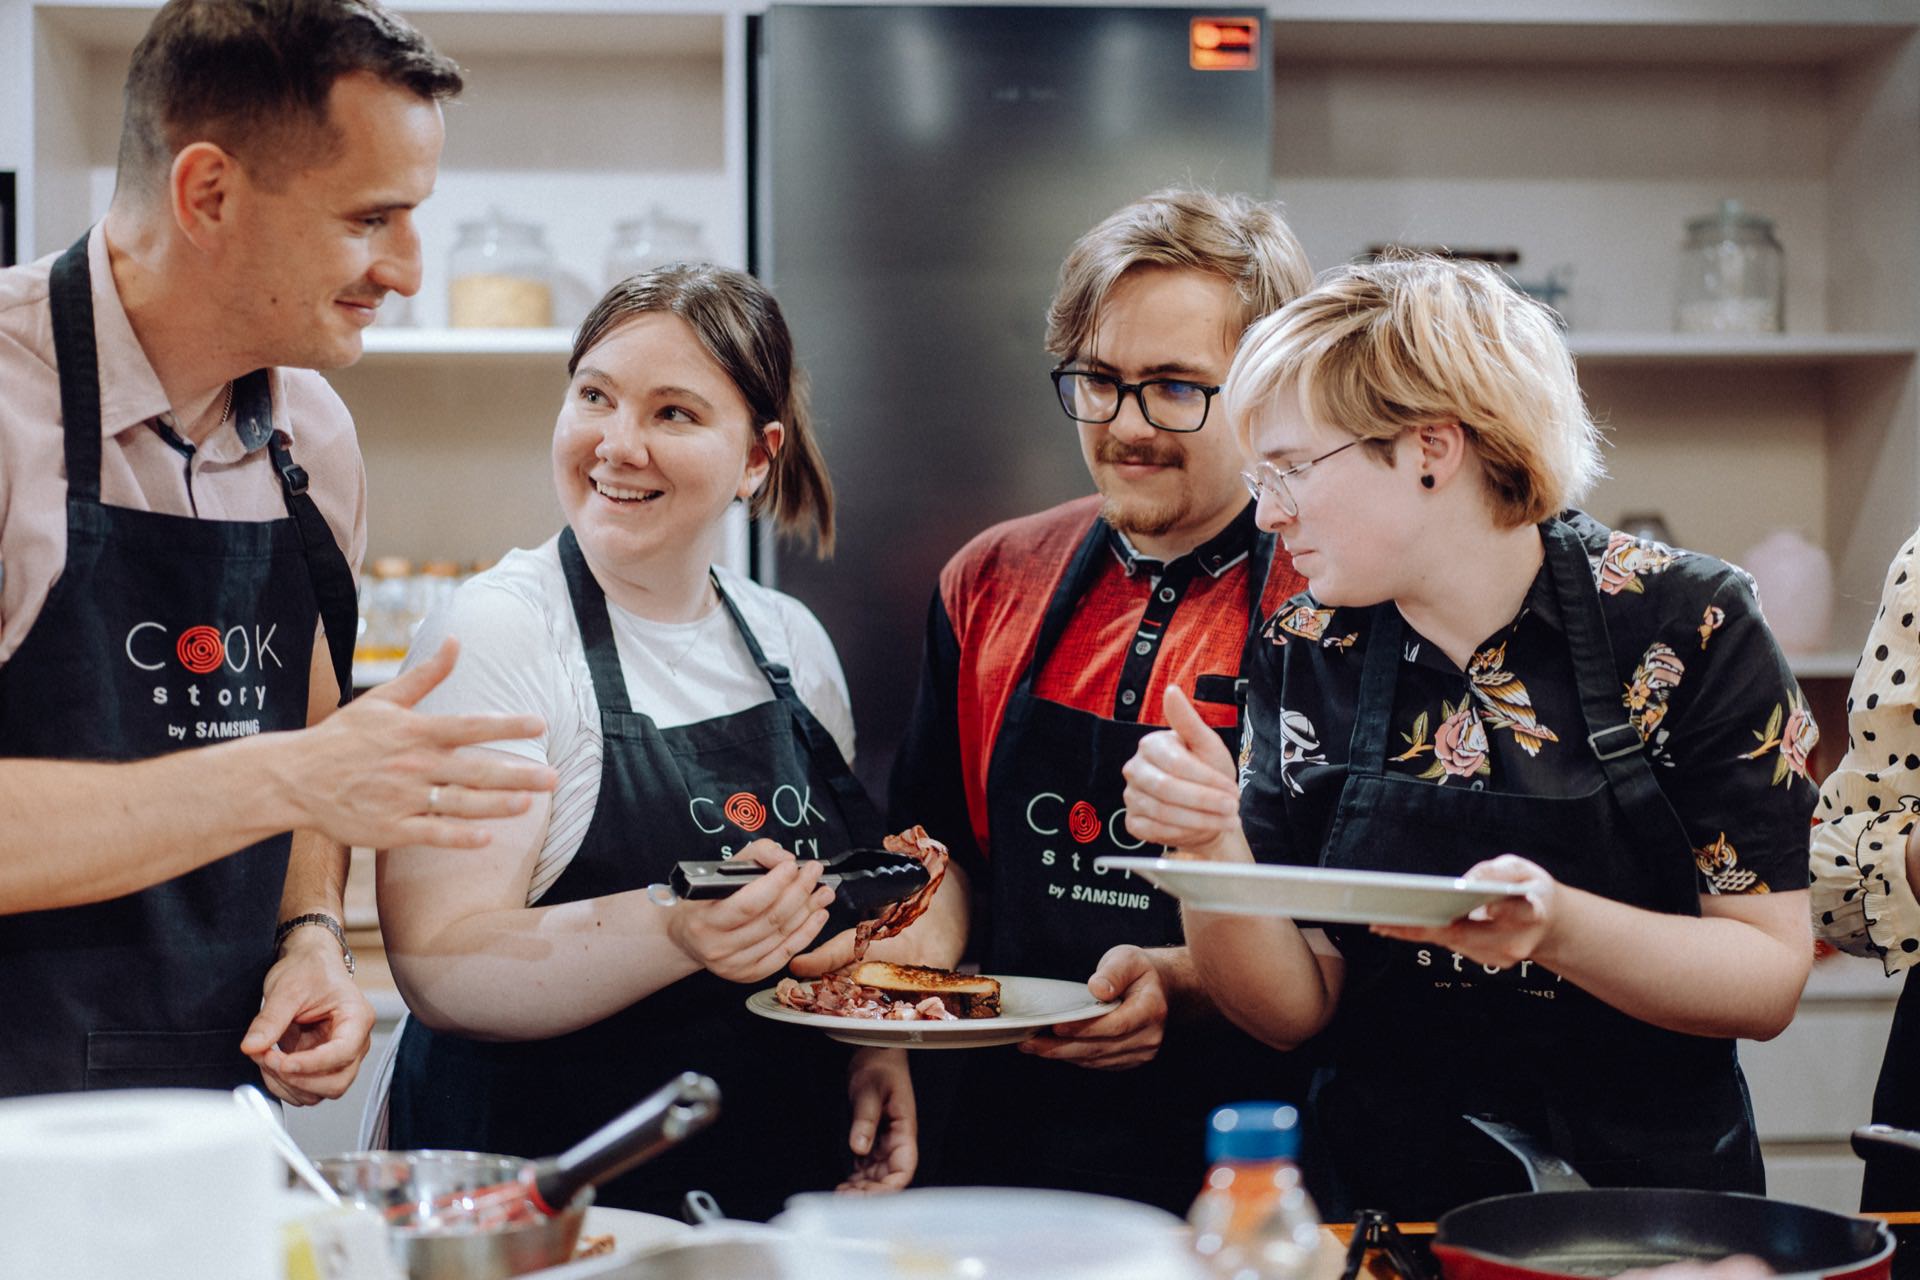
(1565, 1230)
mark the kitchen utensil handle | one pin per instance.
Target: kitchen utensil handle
(700, 1208)
(1870, 1139)
(251, 1099)
(1545, 1170)
(683, 1106)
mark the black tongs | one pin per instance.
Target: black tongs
(864, 881)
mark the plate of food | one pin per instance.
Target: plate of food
(1316, 894)
(874, 1002)
(913, 1007)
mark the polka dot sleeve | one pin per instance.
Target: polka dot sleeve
(1862, 899)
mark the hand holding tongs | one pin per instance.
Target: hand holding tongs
(864, 882)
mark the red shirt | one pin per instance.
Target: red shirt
(1139, 625)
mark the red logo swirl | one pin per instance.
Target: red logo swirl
(745, 812)
(200, 649)
(1083, 824)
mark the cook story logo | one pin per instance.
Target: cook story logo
(788, 808)
(1050, 816)
(240, 659)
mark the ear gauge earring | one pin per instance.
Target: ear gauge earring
(1426, 482)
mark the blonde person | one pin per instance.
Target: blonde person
(1866, 854)
(692, 714)
(1480, 681)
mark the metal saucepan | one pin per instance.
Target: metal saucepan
(445, 1211)
(722, 1248)
(1564, 1230)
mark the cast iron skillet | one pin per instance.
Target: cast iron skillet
(1565, 1229)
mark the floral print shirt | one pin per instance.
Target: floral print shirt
(1862, 899)
(1726, 728)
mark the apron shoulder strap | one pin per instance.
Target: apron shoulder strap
(1259, 569)
(857, 806)
(1379, 676)
(78, 362)
(1615, 743)
(1073, 584)
(596, 628)
(327, 568)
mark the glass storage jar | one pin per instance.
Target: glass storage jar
(388, 610)
(502, 276)
(651, 240)
(1732, 274)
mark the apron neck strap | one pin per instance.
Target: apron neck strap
(71, 298)
(1080, 574)
(333, 587)
(1379, 674)
(596, 627)
(1614, 741)
(1259, 570)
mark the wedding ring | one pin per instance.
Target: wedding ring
(433, 799)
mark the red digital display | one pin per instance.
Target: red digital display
(1223, 44)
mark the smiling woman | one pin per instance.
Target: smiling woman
(691, 714)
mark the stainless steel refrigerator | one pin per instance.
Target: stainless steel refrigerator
(918, 174)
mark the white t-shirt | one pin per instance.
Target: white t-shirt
(520, 653)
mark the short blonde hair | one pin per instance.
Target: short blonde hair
(1235, 236)
(1377, 348)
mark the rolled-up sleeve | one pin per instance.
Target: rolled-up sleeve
(1862, 899)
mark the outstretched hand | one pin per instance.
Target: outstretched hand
(381, 774)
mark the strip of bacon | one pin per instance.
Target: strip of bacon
(916, 843)
(837, 994)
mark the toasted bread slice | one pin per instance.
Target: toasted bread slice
(965, 995)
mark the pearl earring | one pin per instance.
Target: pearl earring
(1426, 482)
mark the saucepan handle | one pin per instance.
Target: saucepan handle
(682, 1106)
(1545, 1170)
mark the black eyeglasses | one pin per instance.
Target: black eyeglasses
(1169, 404)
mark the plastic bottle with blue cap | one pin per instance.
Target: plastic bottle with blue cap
(1253, 1219)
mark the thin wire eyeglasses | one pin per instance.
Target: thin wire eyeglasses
(1168, 404)
(1265, 479)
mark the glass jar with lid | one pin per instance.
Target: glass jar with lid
(1732, 274)
(651, 240)
(502, 275)
(387, 610)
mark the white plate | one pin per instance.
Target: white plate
(633, 1233)
(1314, 893)
(1027, 1007)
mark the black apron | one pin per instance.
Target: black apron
(1422, 1037)
(1054, 796)
(665, 796)
(162, 632)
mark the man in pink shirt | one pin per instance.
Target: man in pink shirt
(177, 607)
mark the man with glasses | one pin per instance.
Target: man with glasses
(1051, 641)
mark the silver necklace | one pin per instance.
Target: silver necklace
(699, 629)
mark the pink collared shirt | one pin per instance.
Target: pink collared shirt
(138, 468)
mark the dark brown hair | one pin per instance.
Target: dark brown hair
(253, 77)
(1235, 236)
(740, 325)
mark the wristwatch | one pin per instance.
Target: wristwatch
(326, 922)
